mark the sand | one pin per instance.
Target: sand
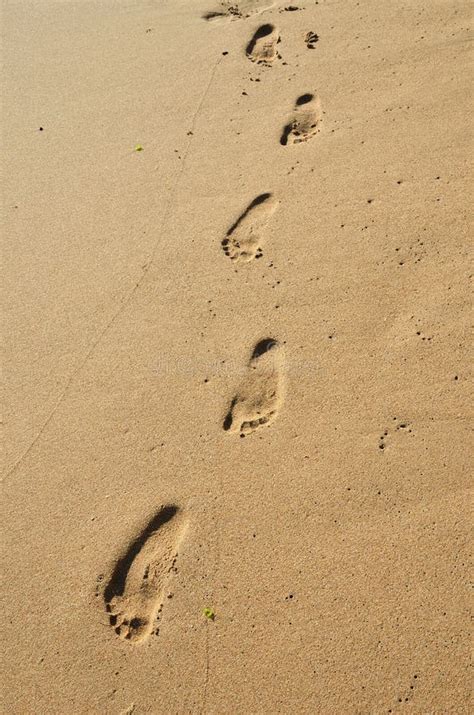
(236, 320)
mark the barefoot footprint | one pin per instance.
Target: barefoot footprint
(262, 48)
(135, 593)
(259, 397)
(244, 238)
(238, 9)
(305, 122)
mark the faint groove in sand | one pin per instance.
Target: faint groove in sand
(131, 294)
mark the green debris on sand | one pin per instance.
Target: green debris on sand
(209, 613)
(138, 148)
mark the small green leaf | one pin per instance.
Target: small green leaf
(138, 148)
(209, 613)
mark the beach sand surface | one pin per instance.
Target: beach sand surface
(236, 365)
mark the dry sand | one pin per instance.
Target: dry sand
(285, 259)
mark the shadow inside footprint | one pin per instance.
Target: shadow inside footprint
(263, 346)
(213, 15)
(262, 31)
(287, 129)
(228, 418)
(257, 200)
(304, 99)
(116, 585)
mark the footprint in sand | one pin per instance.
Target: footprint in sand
(262, 48)
(260, 395)
(305, 122)
(243, 240)
(134, 595)
(236, 10)
(311, 38)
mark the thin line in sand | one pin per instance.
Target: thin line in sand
(126, 302)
